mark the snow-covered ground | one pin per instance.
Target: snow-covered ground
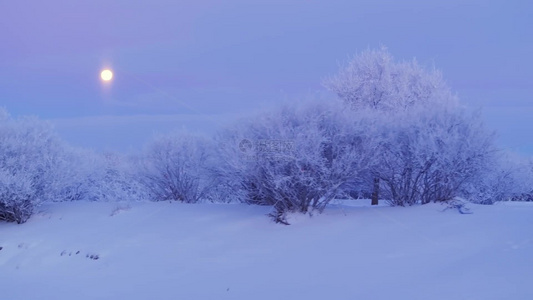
(84, 250)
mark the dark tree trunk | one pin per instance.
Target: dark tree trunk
(375, 193)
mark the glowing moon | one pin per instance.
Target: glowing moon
(106, 75)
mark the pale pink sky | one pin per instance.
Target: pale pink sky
(196, 63)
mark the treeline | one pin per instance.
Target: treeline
(396, 130)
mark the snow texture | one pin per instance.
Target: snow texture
(162, 250)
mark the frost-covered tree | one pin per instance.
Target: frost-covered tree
(429, 147)
(296, 158)
(174, 168)
(373, 80)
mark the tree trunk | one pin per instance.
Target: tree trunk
(375, 193)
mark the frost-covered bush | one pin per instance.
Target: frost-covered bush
(297, 158)
(29, 156)
(91, 176)
(16, 197)
(431, 154)
(174, 167)
(122, 180)
(36, 166)
(509, 177)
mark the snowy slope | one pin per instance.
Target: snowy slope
(175, 251)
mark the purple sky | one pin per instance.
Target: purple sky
(195, 64)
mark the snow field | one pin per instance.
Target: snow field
(90, 250)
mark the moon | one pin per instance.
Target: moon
(106, 75)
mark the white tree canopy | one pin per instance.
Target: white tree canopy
(373, 80)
